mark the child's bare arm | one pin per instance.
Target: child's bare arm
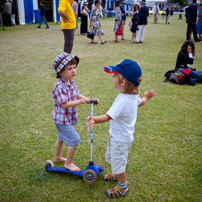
(102, 118)
(96, 119)
(146, 97)
(81, 100)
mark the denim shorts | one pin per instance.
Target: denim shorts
(117, 154)
(67, 134)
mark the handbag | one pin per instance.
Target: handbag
(84, 12)
(118, 31)
(90, 35)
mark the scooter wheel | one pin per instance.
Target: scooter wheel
(99, 164)
(89, 176)
(49, 163)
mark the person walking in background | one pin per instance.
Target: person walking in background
(123, 18)
(118, 19)
(141, 22)
(191, 14)
(134, 13)
(7, 13)
(95, 22)
(169, 12)
(75, 9)
(101, 11)
(84, 19)
(13, 13)
(156, 13)
(180, 15)
(199, 23)
(43, 14)
(68, 24)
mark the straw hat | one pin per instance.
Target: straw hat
(136, 4)
(85, 2)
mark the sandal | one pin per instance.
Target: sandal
(110, 177)
(103, 42)
(93, 42)
(117, 192)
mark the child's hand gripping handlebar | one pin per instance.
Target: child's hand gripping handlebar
(89, 120)
(93, 102)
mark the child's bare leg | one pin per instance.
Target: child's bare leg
(69, 162)
(122, 177)
(58, 149)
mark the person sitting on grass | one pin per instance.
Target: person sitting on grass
(185, 57)
(122, 116)
(66, 97)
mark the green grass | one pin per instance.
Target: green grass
(165, 161)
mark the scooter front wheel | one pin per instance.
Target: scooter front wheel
(99, 164)
(89, 176)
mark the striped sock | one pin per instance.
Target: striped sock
(123, 186)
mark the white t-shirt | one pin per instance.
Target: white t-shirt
(123, 113)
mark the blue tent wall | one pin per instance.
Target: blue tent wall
(57, 14)
(28, 6)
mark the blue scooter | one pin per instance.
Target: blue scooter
(91, 172)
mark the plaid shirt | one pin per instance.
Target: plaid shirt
(64, 92)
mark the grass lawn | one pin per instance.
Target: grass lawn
(165, 162)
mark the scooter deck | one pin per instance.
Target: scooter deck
(64, 170)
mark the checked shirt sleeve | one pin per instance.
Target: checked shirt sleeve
(60, 96)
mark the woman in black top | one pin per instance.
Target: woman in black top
(134, 13)
(185, 57)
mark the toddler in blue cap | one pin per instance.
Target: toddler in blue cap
(122, 115)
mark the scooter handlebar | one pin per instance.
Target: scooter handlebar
(93, 101)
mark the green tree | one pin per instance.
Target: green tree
(182, 3)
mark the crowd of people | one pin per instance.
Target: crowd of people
(93, 22)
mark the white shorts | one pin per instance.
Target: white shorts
(117, 154)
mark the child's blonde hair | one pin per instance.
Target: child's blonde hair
(129, 87)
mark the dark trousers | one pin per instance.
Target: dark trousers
(69, 40)
(7, 19)
(193, 27)
(43, 18)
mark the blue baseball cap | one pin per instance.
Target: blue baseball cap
(129, 69)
